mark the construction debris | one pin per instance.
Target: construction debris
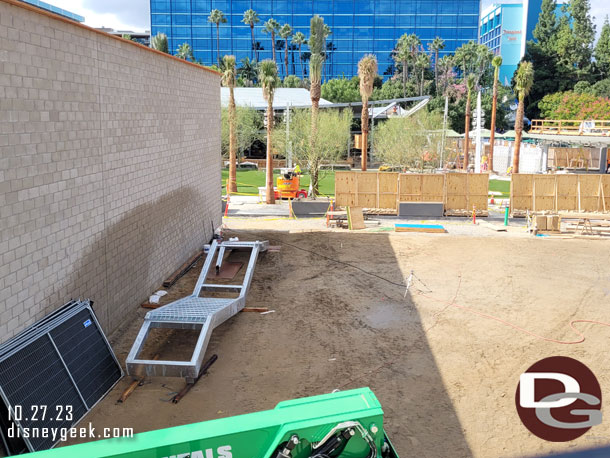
(204, 369)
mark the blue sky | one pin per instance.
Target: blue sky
(135, 14)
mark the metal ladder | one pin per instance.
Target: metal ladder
(195, 312)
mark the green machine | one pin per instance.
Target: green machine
(345, 424)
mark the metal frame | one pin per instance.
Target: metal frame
(195, 312)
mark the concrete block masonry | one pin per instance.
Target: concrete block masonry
(110, 169)
(433, 209)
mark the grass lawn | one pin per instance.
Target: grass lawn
(248, 181)
(500, 186)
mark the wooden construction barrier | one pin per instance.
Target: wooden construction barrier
(459, 192)
(570, 192)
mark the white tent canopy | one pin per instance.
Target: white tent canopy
(253, 97)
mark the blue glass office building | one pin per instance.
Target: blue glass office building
(359, 27)
(54, 9)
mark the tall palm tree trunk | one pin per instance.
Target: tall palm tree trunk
(273, 45)
(364, 121)
(405, 75)
(218, 43)
(494, 107)
(253, 45)
(232, 187)
(436, 70)
(270, 194)
(467, 135)
(518, 134)
(286, 58)
(301, 60)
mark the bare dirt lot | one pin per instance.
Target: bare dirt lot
(446, 378)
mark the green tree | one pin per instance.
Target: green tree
(341, 90)
(497, 63)
(583, 31)
(251, 18)
(367, 71)
(402, 55)
(159, 42)
(269, 81)
(570, 105)
(409, 142)
(292, 81)
(217, 17)
(446, 74)
(602, 50)
(299, 39)
(333, 133)
(466, 58)
(601, 88)
(391, 89)
(546, 28)
(285, 33)
(317, 40)
(470, 86)
(435, 46)
(248, 70)
(524, 80)
(249, 124)
(185, 52)
(127, 36)
(228, 80)
(271, 27)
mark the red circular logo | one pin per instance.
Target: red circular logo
(559, 399)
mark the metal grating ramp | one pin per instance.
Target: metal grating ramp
(195, 312)
(54, 372)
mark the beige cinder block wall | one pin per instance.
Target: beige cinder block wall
(109, 167)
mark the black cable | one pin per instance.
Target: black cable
(402, 285)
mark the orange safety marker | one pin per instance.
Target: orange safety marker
(227, 206)
(332, 208)
(474, 215)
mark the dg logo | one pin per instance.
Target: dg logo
(559, 399)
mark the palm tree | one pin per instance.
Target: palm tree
(248, 70)
(298, 39)
(445, 66)
(268, 77)
(367, 71)
(317, 40)
(285, 33)
(524, 80)
(185, 52)
(327, 32)
(402, 55)
(435, 46)
(496, 62)
(217, 17)
(159, 42)
(422, 63)
(228, 80)
(465, 57)
(271, 27)
(470, 88)
(251, 18)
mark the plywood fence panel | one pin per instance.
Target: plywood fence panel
(521, 191)
(345, 188)
(574, 192)
(366, 186)
(456, 187)
(567, 192)
(433, 188)
(478, 190)
(388, 189)
(385, 189)
(543, 190)
(410, 187)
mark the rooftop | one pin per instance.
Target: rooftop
(54, 9)
(253, 97)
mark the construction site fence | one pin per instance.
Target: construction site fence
(569, 192)
(459, 192)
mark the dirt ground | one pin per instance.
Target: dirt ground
(446, 378)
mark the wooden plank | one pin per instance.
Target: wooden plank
(184, 268)
(429, 228)
(567, 197)
(366, 185)
(387, 189)
(589, 192)
(493, 227)
(543, 192)
(355, 218)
